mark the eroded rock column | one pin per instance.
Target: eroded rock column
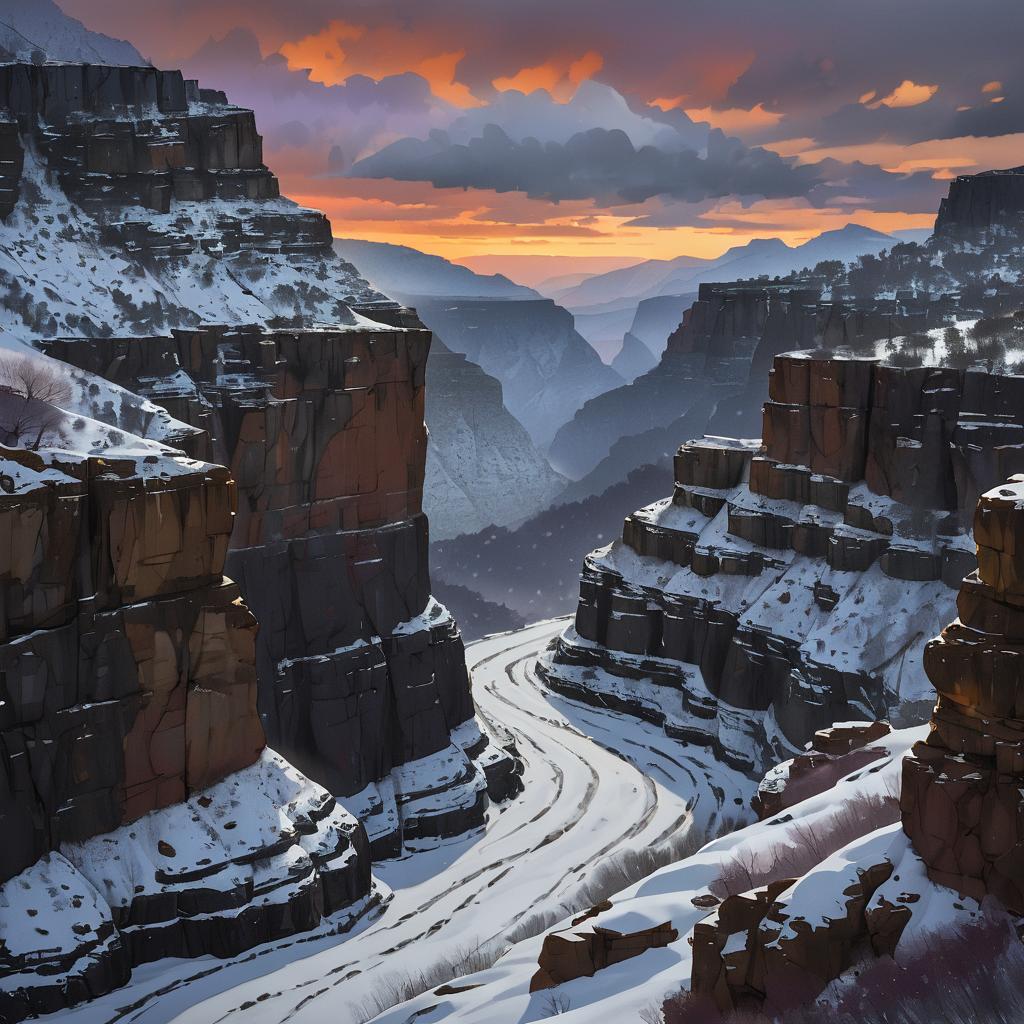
(962, 800)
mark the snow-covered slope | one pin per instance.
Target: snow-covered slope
(30, 27)
(482, 468)
(60, 277)
(841, 894)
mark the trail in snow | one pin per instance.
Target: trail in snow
(596, 782)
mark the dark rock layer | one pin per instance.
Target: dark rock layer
(761, 591)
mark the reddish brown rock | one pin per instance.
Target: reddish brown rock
(143, 688)
(962, 798)
(565, 956)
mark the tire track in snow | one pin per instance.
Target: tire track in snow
(586, 797)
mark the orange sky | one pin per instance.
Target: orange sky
(717, 69)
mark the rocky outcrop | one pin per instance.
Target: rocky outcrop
(304, 381)
(565, 956)
(777, 946)
(788, 585)
(834, 753)
(982, 207)
(133, 775)
(962, 786)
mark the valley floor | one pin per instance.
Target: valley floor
(598, 785)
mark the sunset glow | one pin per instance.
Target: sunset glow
(860, 140)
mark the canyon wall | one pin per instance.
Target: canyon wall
(982, 207)
(226, 304)
(961, 798)
(789, 584)
(142, 815)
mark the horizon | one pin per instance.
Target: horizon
(774, 125)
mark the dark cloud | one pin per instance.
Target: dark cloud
(356, 116)
(597, 164)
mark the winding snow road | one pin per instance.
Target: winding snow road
(596, 783)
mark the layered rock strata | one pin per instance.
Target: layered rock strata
(227, 305)
(142, 816)
(777, 945)
(962, 787)
(789, 584)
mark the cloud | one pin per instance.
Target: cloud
(596, 164)
(295, 113)
(538, 115)
(906, 94)
(558, 78)
(342, 49)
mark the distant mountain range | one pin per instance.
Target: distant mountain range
(685, 273)
(400, 270)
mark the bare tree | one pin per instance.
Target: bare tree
(32, 389)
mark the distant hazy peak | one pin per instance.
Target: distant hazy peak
(400, 270)
(40, 26)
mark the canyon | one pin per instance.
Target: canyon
(249, 769)
(139, 689)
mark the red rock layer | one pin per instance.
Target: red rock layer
(127, 661)
(962, 797)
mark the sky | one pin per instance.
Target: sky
(604, 130)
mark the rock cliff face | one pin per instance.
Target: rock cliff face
(789, 585)
(983, 207)
(961, 800)
(482, 468)
(716, 364)
(142, 817)
(173, 268)
(547, 370)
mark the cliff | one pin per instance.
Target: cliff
(142, 815)
(146, 248)
(787, 585)
(982, 207)
(962, 799)
(547, 370)
(479, 454)
(227, 305)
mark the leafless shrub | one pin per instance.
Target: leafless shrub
(31, 390)
(804, 844)
(556, 1004)
(399, 988)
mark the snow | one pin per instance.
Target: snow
(435, 614)
(250, 810)
(38, 902)
(596, 783)
(42, 25)
(60, 279)
(624, 991)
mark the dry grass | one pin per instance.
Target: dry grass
(805, 845)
